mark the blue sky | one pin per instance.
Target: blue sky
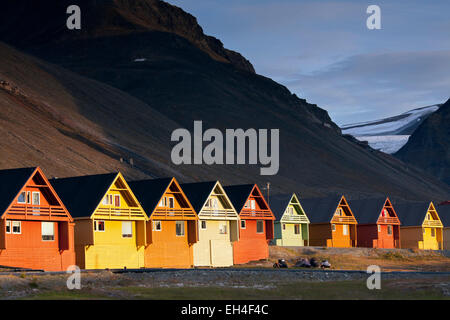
(323, 51)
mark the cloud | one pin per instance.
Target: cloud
(367, 86)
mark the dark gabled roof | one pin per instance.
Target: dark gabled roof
(149, 192)
(198, 193)
(279, 203)
(11, 182)
(367, 211)
(82, 195)
(321, 210)
(239, 194)
(444, 214)
(411, 213)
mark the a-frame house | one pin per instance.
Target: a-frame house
(36, 229)
(218, 224)
(421, 226)
(378, 224)
(332, 223)
(110, 228)
(291, 224)
(172, 226)
(256, 223)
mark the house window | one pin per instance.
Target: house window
(338, 212)
(333, 227)
(48, 231)
(157, 226)
(117, 200)
(179, 228)
(243, 224)
(433, 232)
(22, 197)
(8, 226)
(36, 198)
(29, 197)
(223, 228)
(379, 228)
(203, 225)
(171, 202)
(297, 229)
(127, 229)
(389, 229)
(290, 210)
(99, 225)
(259, 226)
(345, 229)
(284, 226)
(16, 227)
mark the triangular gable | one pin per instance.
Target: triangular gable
(294, 201)
(37, 179)
(436, 221)
(120, 185)
(151, 192)
(389, 219)
(218, 190)
(256, 192)
(346, 208)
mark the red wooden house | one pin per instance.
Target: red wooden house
(36, 230)
(255, 225)
(378, 224)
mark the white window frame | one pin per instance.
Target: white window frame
(39, 198)
(333, 227)
(42, 232)
(117, 196)
(96, 226)
(127, 235)
(379, 227)
(155, 224)
(20, 227)
(290, 211)
(390, 230)
(184, 231)
(297, 226)
(262, 223)
(345, 229)
(223, 228)
(201, 225)
(245, 224)
(8, 224)
(25, 197)
(339, 212)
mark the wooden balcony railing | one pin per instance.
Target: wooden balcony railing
(432, 223)
(173, 214)
(256, 214)
(295, 218)
(116, 212)
(348, 220)
(219, 213)
(36, 212)
(388, 220)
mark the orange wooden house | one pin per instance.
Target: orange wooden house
(256, 223)
(378, 224)
(172, 226)
(332, 223)
(37, 231)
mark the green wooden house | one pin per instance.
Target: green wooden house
(291, 224)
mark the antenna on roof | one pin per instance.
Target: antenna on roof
(268, 192)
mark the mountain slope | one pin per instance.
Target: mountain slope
(145, 83)
(429, 145)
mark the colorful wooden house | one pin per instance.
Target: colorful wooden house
(291, 225)
(444, 215)
(172, 226)
(218, 224)
(378, 224)
(256, 223)
(421, 226)
(36, 229)
(110, 228)
(332, 223)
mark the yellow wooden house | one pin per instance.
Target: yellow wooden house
(421, 227)
(218, 224)
(291, 225)
(110, 224)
